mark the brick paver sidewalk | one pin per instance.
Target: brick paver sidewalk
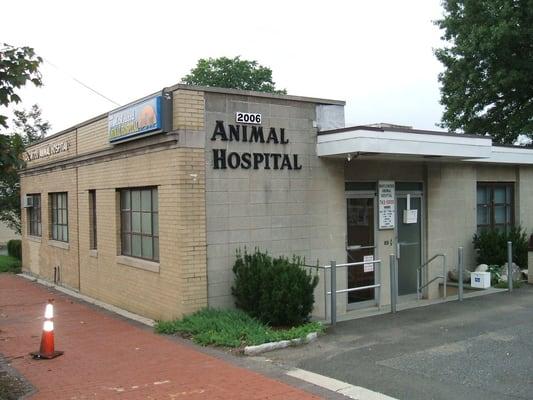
(107, 357)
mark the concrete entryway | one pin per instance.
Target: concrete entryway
(481, 348)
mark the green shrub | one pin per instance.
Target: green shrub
(14, 248)
(491, 246)
(9, 264)
(277, 291)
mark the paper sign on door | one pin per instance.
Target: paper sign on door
(368, 267)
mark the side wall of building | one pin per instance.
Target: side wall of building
(174, 163)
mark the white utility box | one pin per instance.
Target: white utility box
(480, 280)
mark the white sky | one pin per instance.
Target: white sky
(377, 55)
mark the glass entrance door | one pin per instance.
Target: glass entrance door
(360, 243)
(409, 242)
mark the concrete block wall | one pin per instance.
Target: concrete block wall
(284, 212)
(451, 222)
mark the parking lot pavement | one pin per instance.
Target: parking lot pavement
(108, 357)
(481, 348)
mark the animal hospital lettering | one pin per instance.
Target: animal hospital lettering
(222, 159)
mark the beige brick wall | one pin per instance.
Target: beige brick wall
(179, 285)
(189, 107)
(41, 255)
(93, 137)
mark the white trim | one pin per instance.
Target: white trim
(509, 155)
(346, 389)
(403, 143)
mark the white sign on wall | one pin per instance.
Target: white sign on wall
(248, 118)
(387, 205)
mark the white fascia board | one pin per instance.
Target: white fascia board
(404, 143)
(508, 155)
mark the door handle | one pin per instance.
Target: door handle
(398, 250)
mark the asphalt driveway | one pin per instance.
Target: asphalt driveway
(481, 348)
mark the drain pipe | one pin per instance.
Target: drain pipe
(509, 266)
(460, 267)
(393, 283)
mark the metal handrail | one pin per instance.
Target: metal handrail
(420, 287)
(333, 284)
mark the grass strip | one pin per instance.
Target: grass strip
(9, 264)
(231, 328)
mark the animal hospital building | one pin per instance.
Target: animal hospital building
(144, 207)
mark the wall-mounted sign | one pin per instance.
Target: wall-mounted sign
(223, 158)
(387, 207)
(45, 151)
(247, 118)
(140, 119)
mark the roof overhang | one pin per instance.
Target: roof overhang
(394, 143)
(508, 155)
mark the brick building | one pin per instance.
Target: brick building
(144, 207)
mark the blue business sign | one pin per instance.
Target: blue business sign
(140, 119)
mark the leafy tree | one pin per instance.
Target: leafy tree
(487, 85)
(30, 124)
(232, 73)
(18, 65)
(29, 128)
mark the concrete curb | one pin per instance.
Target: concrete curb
(90, 300)
(262, 348)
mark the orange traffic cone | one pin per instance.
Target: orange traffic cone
(46, 350)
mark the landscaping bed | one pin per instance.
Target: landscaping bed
(232, 328)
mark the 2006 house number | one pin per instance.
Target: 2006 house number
(248, 118)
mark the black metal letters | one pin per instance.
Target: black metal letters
(222, 159)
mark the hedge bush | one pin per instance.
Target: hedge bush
(14, 248)
(491, 246)
(277, 291)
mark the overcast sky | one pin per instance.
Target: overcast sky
(377, 55)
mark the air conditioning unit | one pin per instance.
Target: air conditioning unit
(27, 201)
